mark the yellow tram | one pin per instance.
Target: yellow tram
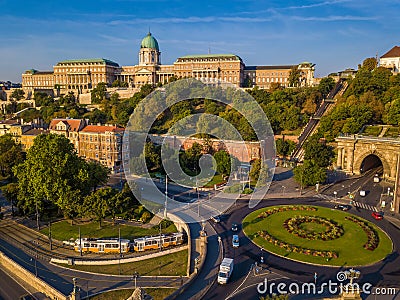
(111, 245)
(153, 242)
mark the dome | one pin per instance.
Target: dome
(149, 42)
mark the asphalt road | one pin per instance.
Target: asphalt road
(9, 288)
(385, 273)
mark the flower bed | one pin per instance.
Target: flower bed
(274, 210)
(333, 229)
(373, 239)
(297, 249)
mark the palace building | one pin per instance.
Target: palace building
(81, 75)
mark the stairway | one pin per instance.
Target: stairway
(313, 124)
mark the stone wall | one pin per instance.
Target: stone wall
(29, 278)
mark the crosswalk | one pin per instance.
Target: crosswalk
(364, 206)
(354, 203)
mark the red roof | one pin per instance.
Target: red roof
(73, 124)
(394, 52)
(102, 128)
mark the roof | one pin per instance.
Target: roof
(149, 42)
(212, 56)
(35, 131)
(10, 122)
(394, 52)
(74, 124)
(269, 67)
(102, 129)
(102, 61)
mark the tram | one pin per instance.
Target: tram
(110, 245)
(153, 242)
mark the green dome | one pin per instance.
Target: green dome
(149, 42)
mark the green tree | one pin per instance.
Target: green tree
(99, 204)
(10, 192)
(319, 152)
(51, 174)
(10, 155)
(98, 94)
(309, 173)
(294, 76)
(119, 83)
(284, 147)
(370, 63)
(326, 85)
(225, 162)
(17, 94)
(98, 174)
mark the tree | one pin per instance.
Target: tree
(284, 147)
(98, 174)
(318, 152)
(294, 76)
(98, 204)
(10, 155)
(309, 173)
(17, 94)
(225, 162)
(51, 174)
(369, 63)
(119, 83)
(326, 85)
(190, 158)
(99, 92)
(10, 192)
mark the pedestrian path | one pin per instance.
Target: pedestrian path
(364, 206)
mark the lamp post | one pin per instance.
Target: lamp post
(335, 193)
(135, 276)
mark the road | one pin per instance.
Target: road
(385, 273)
(9, 288)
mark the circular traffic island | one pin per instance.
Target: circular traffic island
(317, 235)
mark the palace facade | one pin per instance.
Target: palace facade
(80, 76)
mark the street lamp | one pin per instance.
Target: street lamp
(335, 193)
(283, 189)
(135, 276)
(262, 255)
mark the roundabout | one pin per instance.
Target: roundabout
(317, 235)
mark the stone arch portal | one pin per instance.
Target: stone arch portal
(361, 164)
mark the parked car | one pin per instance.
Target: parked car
(235, 227)
(235, 241)
(343, 207)
(216, 219)
(377, 215)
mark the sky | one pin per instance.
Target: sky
(333, 34)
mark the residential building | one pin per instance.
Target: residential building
(28, 136)
(391, 60)
(103, 144)
(69, 128)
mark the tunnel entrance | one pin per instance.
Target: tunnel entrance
(371, 162)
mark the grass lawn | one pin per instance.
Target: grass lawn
(392, 132)
(173, 264)
(63, 230)
(217, 179)
(349, 246)
(372, 130)
(157, 294)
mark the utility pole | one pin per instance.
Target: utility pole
(166, 196)
(37, 216)
(80, 242)
(50, 241)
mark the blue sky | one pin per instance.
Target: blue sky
(333, 34)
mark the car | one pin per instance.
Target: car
(343, 207)
(216, 219)
(377, 215)
(235, 241)
(235, 227)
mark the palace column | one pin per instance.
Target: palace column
(339, 158)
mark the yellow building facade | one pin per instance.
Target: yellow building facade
(81, 75)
